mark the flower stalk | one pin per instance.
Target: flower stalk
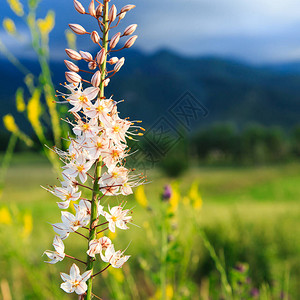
(100, 143)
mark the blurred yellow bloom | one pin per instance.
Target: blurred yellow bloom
(16, 7)
(140, 196)
(20, 103)
(28, 225)
(5, 217)
(71, 39)
(169, 292)
(195, 195)
(112, 235)
(117, 274)
(9, 26)
(34, 111)
(10, 124)
(46, 25)
(174, 200)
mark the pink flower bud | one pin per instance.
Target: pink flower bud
(99, 10)
(73, 54)
(77, 28)
(122, 16)
(72, 77)
(127, 8)
(130, 29)
(92, 65)
(78, 6)
(106, 81)
(113, 60)
(96, 79)
(100, 56)
(95, 37)
(112, 14)
(129, 43)
(115, 40)
(71, 66)
(92, 10)
(119, 64)
(86, 56)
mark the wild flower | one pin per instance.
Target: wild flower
(100, 142)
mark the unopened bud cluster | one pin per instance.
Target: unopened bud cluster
(96, 153)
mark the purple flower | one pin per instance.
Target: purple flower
(167, 194)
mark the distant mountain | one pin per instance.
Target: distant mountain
(151, 84)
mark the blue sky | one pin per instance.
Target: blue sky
(257, 31)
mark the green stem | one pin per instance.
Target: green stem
(95, 200)
(94, 223)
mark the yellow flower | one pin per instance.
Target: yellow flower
(117, 274)
(46, 25)
(9, 26)
(175, 197)
(28, 225)
(34, 111)
(71, 39)
(169, 292)
(195, 196)
(5, 217)
(20, 103)
(140, 196)
(10, 124)
(16, 7)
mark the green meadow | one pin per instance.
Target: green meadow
(249, 218)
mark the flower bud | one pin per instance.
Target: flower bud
(96, 79)
(92, 10)
(122, 16)
(127, 8)
(115, 40)
(77, 28)
(100, 56)
(99, 10)
(113, 60)
(119, 64)
(106, 82)
(130, 29)
(71, 66)
(112, 14)
(129, 43)
(72, 77)
(92, 65)
(95, 37)
(73, 54)
(86, 56)
(78, 6)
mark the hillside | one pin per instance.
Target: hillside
(150, 84)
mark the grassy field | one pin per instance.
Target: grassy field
(250, 215)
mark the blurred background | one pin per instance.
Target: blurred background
(217, 85)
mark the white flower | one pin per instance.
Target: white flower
(78, 167)
(70, 223)
(85, 208)
(58, 254)
(117, 130)
(117, 217)
(87, 129)
(66, 194)
(97, 145)
(75, 282)
(101, 110)
(114, 258)
(96, 246)
(82, 100)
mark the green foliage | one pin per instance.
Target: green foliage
(255, 144)
(251, 224)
